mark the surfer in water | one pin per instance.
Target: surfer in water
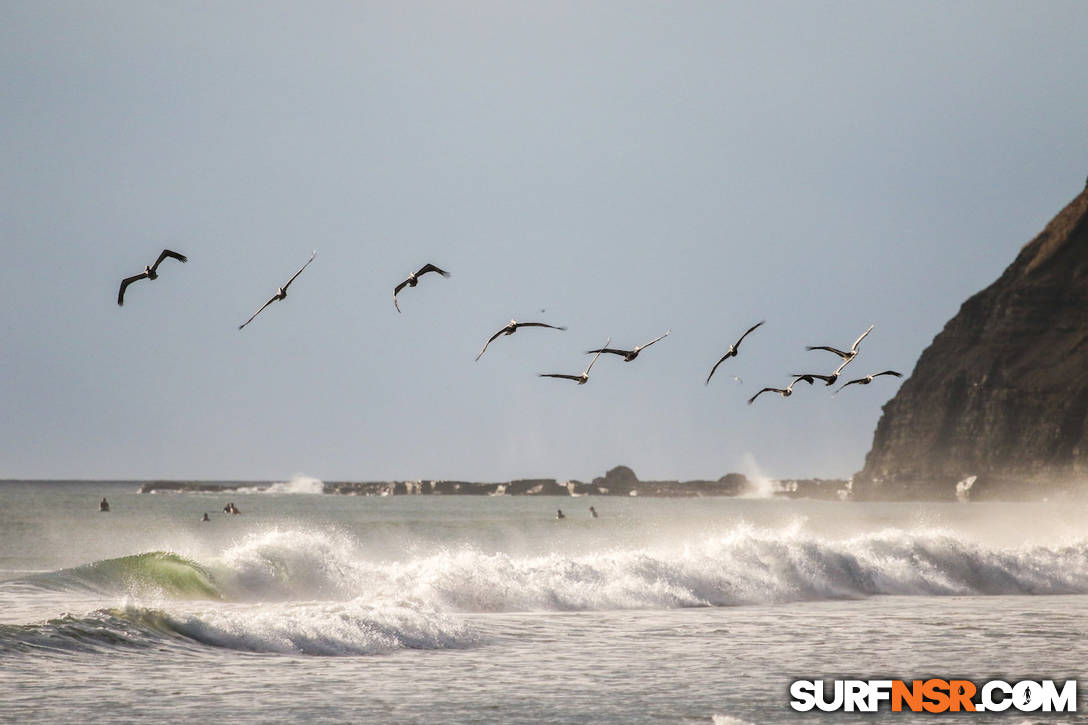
(559, 514)
(205, 517)
(105, 505)
(593, 512)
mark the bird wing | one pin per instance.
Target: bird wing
(431, 268)
(761, 392)
(809, 377)
(597, 356)
(125, 283)
(708, 377)
(851, 382)
(266, 304)
(167, 253)
(489, 341)
(537, 324)
(854, 347)
(651, 342)
(889, 372)
(609, 350)
(835, 350)
(737, 344)
(557, 375)
(846, 361)
(300, 270)
(396, 291)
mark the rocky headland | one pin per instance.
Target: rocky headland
(997, 406)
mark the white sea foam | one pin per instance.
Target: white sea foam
(323, 628)
(744, 566)
(298, 484)
(728, 720)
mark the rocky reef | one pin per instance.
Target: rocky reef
(619, 481)
(997, 406)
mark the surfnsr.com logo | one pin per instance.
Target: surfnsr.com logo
(933, 695)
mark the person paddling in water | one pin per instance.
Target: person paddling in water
(593, 512)
(559, 514)
(105, 505)
(205, 517)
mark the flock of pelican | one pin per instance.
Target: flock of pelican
(829, 379)
(847, 356)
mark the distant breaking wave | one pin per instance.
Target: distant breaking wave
(298, 484)
(315, 592)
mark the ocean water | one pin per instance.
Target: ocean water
(466, 609)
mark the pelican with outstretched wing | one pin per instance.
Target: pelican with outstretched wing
(281, 293)
(629, 355)
(413, 280)
(584, 377)
(148, 273)
(810, 377)
(869, 378)
(733, 349)
(784, 392)
(846, 355)
(512, 327)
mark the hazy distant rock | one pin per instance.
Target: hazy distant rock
(619, 481)
(1002, 392)
(735, 484)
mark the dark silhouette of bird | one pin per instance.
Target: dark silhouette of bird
(784, 392)
(148, 273)
(733, 349)
(513, 327)
(281, 293)
(846, 355)
(869, 378)
(413, 280)
(629, 355)
(810, 377)
(580, 379)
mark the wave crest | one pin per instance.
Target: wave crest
(745, 566)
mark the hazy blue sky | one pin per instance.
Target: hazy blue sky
(629, 167)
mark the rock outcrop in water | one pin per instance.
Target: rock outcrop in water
(997, 406)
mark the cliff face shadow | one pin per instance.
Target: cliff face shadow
(1002, 392)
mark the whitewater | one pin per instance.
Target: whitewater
(425, 609)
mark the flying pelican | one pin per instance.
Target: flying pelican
(511, 328)
(584, 377)
(784, 392)
(148, 273)
(629, 355)
(732, 351)
(849, 354)
(281, 292)
(810, 377)
(869, 378)
(413, 280)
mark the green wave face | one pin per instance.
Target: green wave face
(152, 573)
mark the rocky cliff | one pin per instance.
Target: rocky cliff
(1001, 394)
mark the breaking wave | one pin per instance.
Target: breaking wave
(301, 591)
(745, 566)
(298, 484)
(329, 629)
